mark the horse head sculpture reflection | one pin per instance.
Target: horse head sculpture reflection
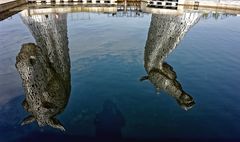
(45, 69)
(165, 32)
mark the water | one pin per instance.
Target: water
(193, 55)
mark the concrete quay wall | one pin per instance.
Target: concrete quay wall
(5, 5)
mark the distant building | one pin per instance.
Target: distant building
(77, 1)
(169, 4)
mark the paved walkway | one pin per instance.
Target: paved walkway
(5, 1)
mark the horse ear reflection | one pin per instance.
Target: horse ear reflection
(29, 119)
(53, 122)
(143, 78)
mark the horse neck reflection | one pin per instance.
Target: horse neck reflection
(50, 33)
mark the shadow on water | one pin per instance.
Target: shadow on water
(109, 122)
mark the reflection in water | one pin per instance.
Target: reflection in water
(45, 69)
(109, 122)
(165, 32)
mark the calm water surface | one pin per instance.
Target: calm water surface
(150, 77)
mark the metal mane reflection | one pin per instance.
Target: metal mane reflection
(45, 69)
(165, 32)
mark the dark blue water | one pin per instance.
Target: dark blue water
(107, 61)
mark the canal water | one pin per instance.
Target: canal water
(146, 77)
